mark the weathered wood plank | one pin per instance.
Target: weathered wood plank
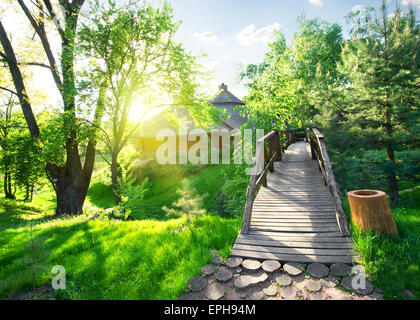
(293, 214)
(294, 237)
(294, 250)
(282, 223)
(334, 234)
(295, 244)
(294, 217)
(294, 229)
(291, 257)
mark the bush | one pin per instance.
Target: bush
(234, 189)
(131, 195)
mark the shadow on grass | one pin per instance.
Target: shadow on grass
(15, 214)
(117, 260)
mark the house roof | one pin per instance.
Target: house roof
(225, 101)
(228, 102)
(225, 97)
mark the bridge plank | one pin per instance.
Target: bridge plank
(293, 228)
(292, 244)
(294, 250)
(291, 257)
(294, 237)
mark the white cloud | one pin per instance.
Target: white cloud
(412, 2)
(249, 35)
(358, 7)
(316, 3)
(208, 37)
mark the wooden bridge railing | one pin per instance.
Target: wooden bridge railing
(319, 152)
(264, 161)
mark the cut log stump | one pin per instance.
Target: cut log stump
(370, 211)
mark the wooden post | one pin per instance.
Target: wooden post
(277, 146)
(248, 204)
(370, 211)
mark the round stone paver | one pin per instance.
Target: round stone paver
(224, 274)
(209, 269)
(271, 291)
(318, 296)
(293, 268)
(368, 288)
(197, 284)
(215, 291)
(189, 296)
(251, 265)
(340, 269)
(257, 295)
(283, 280)
(329, 282)
(312, 285)
(270, 265)
(234, 262)
(318, 270)
(336, 294)
(217, 260)
(288, 293)
(231, 294)
(245, 281)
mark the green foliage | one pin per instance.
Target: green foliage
(19, 156)
(221, 202)
(378, 106)
(272, 89)
(132, 50)
(315, 52)
(284, 88)
(234, 190)
(189, 202)
(131, 195)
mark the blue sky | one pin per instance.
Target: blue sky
(234, 32)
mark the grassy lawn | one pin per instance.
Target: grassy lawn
(148, 259)
(108, 260)
(394, 262)
(206, 183)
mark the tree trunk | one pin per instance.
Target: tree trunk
(8, 186)
(69, 198)
(29, 192)
(392, 178)
(115, 175)
(370, 211)
(70, 188)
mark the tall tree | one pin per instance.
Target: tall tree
(382, 65)
(315, 52)
(70, 179)
(272, 95)
(132, 48)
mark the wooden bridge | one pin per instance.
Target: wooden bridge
(297, 214)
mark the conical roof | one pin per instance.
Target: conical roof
(225, 97)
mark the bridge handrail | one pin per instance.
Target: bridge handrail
(319, 152)
(274, 153)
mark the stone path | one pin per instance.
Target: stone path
(237, 279)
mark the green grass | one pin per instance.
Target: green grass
(206, 183)
(394, 263)
(145, 259)
(113, 260)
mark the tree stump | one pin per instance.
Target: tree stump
(370, 211)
